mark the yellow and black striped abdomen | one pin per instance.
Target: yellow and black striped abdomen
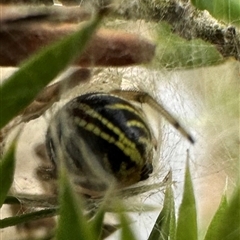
(101, 136)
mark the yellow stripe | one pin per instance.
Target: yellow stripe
(121, 106)
(107, 123)
(130, 123)
(136, 123)
(143, 140)
(126, 145)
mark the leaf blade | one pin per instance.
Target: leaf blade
(228, 11)
(127, 232)
(97, 223)
(13, 221)
(187, 216)
(7, 167)
(175, 52)
(164, 226)
(212, 231)
(72, 224)
(21, 88)
(228, 227)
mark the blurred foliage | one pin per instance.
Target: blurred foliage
(7, 166)
(18, 91)
(228, 11)
(173, 52)
(224, 225)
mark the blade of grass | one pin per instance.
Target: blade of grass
(21, 88)
(172, 232)
(97, 223)
(72, 223)
(164, 226)
(11, 200)
(12, 221)
(175, 52)
(7, 166)
(109, 229)
(187, 217)
(221, 9)
(127, 232)
(212, 231)
(228, 226)
(38, 201)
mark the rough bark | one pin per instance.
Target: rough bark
(186, 21)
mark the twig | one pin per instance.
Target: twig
(186, 21)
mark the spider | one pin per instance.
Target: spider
(104, 138)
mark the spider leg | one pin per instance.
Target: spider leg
(45, 226)
(46, 173)
(51, 94)
(143, 97)
(32, 229)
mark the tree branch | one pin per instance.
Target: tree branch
(186, 21)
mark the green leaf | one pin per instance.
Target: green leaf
(97, 223)
(228, 227)
(227, 10)
(11, 200)
(109, 229)
(13, 221)
(187, 216)
(7, 166)
(212, 231)
(165, 225)
(72, 223)
(176, 52)
(127, 232)
(21, 88)
(172, 225)
(172, 232)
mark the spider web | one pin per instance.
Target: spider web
(205, 100)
